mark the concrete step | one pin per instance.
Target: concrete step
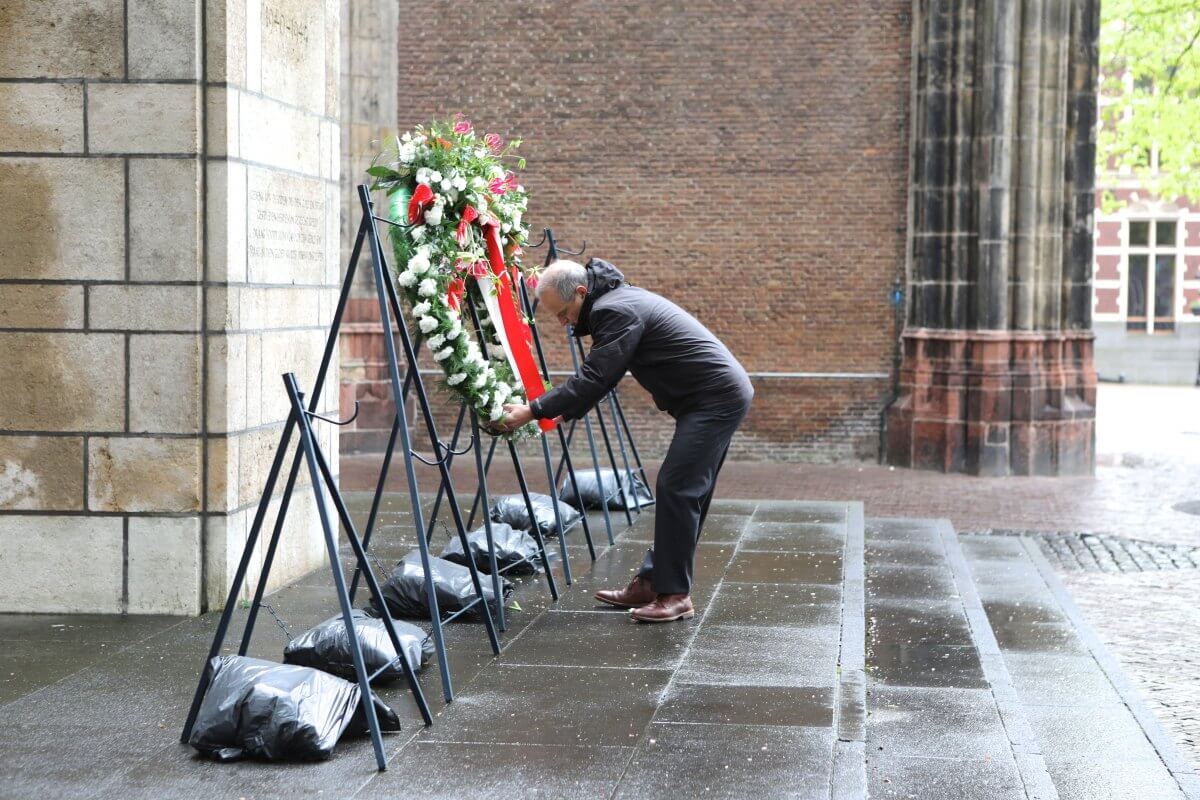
(1098, 738)
(942, 717)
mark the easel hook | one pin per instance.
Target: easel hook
(347, 421)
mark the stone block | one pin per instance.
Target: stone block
(41, 118)
(223, 476)
(62, 381)
(164, 219)
(226, 209)
(35, 305)
(222, 119)
(225, 37)
(254, 380)
(143, 474)
(293, 51)
(227, 379)
(61, 564)
(64, 218)
(62, 39)
(164, 383)
(285, 236)
(289, 351)
(41, 473)
(135, 307)
(276, 135)
(143, 118)
(164, 565)
(164, 39)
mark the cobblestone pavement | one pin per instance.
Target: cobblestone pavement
(1148, 463)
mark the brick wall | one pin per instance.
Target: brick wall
(749, 165)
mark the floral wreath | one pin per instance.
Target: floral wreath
(441, 178)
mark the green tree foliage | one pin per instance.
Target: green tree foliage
(1156, 43)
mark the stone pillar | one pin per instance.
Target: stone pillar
(169, 171)
(997, 374)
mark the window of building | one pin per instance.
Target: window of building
(1152, 259)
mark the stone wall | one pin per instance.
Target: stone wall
(168, 169)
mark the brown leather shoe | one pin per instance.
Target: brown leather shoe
(666, 608)
(639, 592)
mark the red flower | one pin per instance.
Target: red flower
(422, 198)
(498, 186)
(494, 143)
(479, 269)
(469, 216)
(462, 124)
(532, 281)
(510, 180)
(455, 292)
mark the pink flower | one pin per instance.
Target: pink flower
(498, 186)
(461, 124)
(532, 281)
(479, 269)
(494, 143)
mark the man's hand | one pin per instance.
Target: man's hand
(515, 415)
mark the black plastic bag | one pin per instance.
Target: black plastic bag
(404, 590)
(510, 509)
(327, 647)
(278, 712)
(513, 547)
(613, 493)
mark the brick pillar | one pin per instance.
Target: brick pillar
(997, 375)
(169, 172)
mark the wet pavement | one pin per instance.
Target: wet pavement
(831, 657)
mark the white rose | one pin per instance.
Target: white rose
(516, 219)
(503, 389)
(428, 288)
(423, 175)
(478, 183)
(456, 378)
(460, 183)
(497, 171)
(446, 184)
(455, 329)
(417, 233)
(407, 137)
(406, 278)
(505, 227)
(427, 324)
(408, 152)
(433, 216)
(480, 152)
(421, 309)
(479, 381)
(419, 263)
(443, 354)
(435, 176)
(436, 341)
(496, 412)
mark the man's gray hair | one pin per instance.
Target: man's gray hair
(564, 277)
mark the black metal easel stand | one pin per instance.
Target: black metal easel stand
(322, 480)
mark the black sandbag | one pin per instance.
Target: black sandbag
(278, 712)
(511, 510)
(327, 647)
(617, 498)
(404, 590)
(514, 548)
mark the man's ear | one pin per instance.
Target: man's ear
(581, 291)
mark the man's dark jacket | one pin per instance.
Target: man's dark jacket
(679, 361)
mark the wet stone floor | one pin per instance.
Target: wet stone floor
(582, 702)
(831, 657)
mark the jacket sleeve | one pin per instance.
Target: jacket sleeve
(615, 336)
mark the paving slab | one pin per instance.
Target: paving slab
(1096, 735)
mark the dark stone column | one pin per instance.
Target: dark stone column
(997, 375)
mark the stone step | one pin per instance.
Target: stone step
(942, 718)
(1098, 738)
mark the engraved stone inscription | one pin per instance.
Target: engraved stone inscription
(285, 229)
